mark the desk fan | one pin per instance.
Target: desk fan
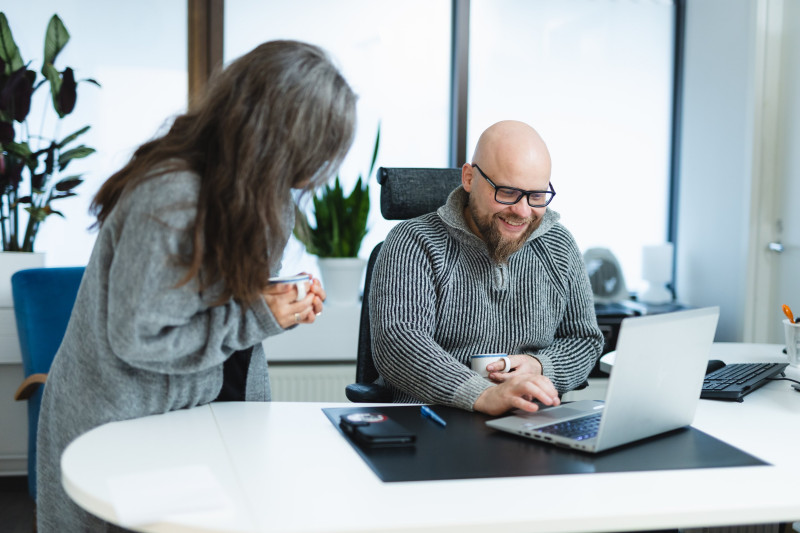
(605, 276)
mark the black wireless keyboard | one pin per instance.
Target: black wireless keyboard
(735, 381)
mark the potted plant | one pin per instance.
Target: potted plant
(33, 163)
(336, 237)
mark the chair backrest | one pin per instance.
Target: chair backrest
(405, 193)
(43, 301)
(365, 367)
(412, 192)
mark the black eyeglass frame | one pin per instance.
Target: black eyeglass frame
(522, 192)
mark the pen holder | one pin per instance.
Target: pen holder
(792, 333)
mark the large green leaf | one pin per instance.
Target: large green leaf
(23, 150)
(8, 48)
(375, 152)
(54, 77)
(68, 183)
(72, 136)
(55, 39)
(76, 153)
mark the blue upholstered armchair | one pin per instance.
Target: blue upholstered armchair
(43, 301)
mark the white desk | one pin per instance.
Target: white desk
(727, 352)
(287, 469)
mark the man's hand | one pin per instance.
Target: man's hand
(518, 390)
(520, 363)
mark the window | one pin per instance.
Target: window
(594, 77)
(395, 55)
(141, 65)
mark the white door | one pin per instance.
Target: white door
(787, 285)
(774, 269)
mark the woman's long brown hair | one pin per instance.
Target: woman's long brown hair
(281, 116)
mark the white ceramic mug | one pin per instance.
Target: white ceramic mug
(478, 362)
(792, 333)
(299, 281)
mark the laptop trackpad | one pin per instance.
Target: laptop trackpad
(547, 415)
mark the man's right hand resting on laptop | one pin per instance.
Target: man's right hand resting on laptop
(517, 391)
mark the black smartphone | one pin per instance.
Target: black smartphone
(376, 430)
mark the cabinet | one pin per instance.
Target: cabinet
(315, 362)
(13, 423)
(13, 414)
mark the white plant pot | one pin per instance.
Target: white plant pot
(341, 279)
(11, 262)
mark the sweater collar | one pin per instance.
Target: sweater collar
(452, 214)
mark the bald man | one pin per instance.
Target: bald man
(492, 271)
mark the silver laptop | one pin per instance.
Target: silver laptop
(654, 386)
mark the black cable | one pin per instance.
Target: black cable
(784, 379)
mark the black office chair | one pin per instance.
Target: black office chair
(405, 193)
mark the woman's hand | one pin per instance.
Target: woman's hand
(287, 309)
(315, 287)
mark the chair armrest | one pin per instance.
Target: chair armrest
(29, 386)
(367, 392)
(582, 385)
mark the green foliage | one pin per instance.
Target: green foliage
(23, 154)
(341, 221)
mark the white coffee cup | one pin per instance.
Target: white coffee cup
(791, 331)
(478, 362)
(299, 281)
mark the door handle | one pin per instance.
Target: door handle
(776, 247)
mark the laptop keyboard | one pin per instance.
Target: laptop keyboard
(581, 428)
(733, 382)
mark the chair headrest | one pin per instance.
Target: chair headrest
(411, 192)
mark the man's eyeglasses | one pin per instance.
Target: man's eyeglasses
(512, 195)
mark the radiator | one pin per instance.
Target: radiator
(761, 528)
(310, 382)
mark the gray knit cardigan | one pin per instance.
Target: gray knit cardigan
(437, 297)
(137, 344)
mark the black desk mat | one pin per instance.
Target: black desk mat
(449, 452)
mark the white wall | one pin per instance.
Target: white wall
(716, 159)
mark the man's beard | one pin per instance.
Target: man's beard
(499, 247)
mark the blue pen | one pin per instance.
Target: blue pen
(428, 413)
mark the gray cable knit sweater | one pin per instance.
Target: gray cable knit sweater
(136, 344)
(437, 297)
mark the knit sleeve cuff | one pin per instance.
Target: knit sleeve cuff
(548, 370)
(467, 394)
(265, 317)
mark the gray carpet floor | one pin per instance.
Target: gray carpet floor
(16, 507)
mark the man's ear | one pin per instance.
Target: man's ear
(466, 177)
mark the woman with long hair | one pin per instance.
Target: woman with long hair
(176, 298)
